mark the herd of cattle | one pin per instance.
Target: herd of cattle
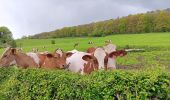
(94, 58)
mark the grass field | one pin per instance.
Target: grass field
(157, 46)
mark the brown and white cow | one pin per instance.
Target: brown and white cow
(25, 60)
(107, 60)
(82, 62)
(12, 57)
(55, 60)
(107, 55)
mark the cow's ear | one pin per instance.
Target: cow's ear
(122, 53)
(68, 54)
(13, 50)
(49, 55)
(114, 53)
(87, 57)
(118, 53)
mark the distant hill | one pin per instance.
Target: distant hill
(153, 21)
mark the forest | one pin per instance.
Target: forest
(152, 21)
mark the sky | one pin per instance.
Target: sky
(28, 17)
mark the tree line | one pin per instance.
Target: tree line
(153, 21)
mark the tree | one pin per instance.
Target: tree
(6, 38)
(162, 22)
(122, 25)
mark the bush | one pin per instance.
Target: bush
(39, 84)
(52, 41)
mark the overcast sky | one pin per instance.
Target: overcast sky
(27, 17)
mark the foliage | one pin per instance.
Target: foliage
(6, 38)
(153, 21)
(39, 84)
(52, 41)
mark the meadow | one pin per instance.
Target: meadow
(146, 75)
(156, 45)
(151, 40)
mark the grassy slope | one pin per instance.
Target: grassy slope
(158, 56)
(139, 40)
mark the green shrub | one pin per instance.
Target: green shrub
(39, 84)
(52, 41)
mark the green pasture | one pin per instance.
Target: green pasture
(160, 41)
(156, 45)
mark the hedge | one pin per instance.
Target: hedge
(39, 84)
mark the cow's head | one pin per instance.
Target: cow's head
(110, 59)
(59, 53)
(8, 57)
(91, 65)
(53, 61)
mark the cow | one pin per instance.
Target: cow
(49, 60)
(100, 55)
(112, 54)
(90, 42)
(107, 60)
(108, 42)
(36, 60)
(12, 57)
(108, 55)
(82, 62)
(55, 60)
(85, 63)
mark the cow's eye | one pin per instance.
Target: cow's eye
(5, 55)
